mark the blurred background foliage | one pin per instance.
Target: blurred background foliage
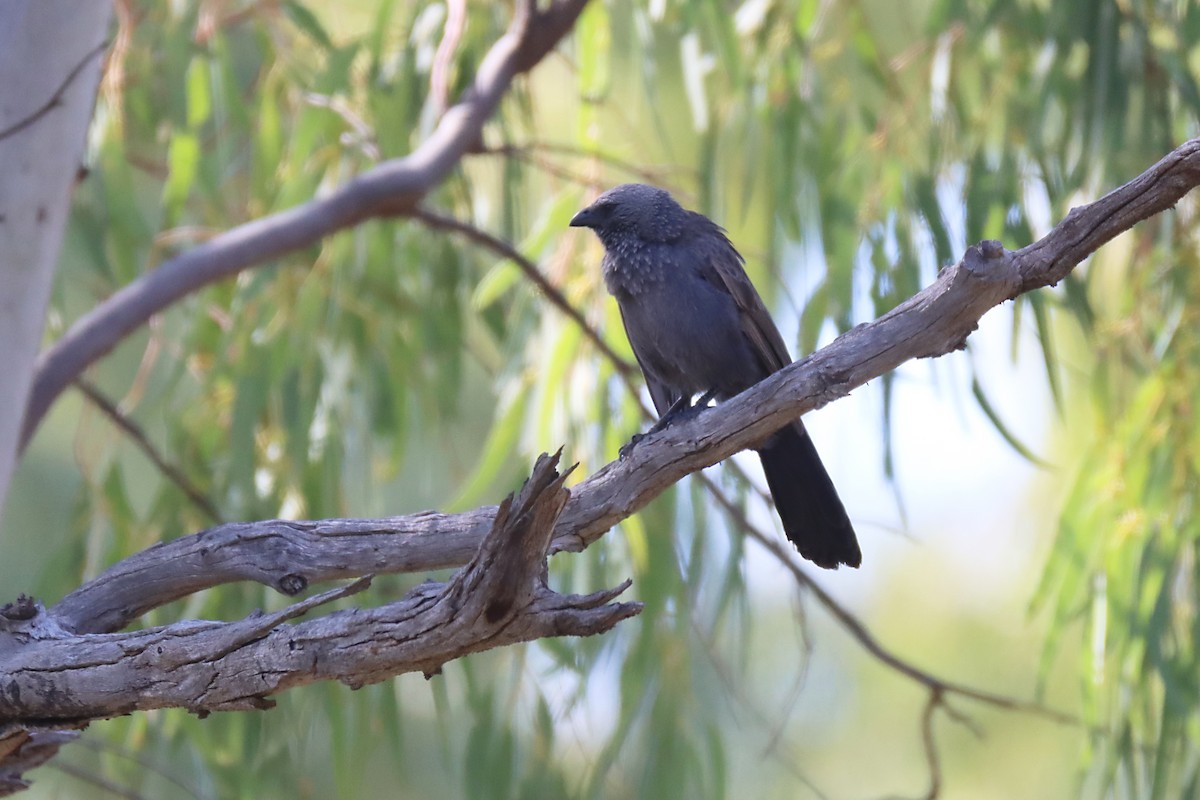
(851, 148)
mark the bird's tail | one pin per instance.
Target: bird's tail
(808, 504)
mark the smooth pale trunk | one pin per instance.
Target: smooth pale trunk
(50, 62)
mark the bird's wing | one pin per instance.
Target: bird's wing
(726, 264)
(660, 393)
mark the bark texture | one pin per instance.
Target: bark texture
(54, 679)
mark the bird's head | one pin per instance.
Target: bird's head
(633, 209)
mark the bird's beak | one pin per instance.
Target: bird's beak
(583, 219)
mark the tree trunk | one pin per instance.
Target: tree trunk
(50, 56)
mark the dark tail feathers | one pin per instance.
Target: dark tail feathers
(808, 504)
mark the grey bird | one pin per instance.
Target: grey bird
(698, 327)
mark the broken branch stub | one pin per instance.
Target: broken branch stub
(51, 677)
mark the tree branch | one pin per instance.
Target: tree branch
(865, 639)
(291, 555)
(552, 293)
(938, 688)
(138, 436)
(498, 598)
(391, 189)
(207, 666)
(528, 152)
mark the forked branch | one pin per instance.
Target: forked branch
(52, 677)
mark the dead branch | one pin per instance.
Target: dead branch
(53, 678)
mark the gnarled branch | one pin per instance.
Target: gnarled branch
(54, 676)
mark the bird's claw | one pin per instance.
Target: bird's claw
(627, 448)
(677, 413)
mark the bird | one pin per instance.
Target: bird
(698, 326)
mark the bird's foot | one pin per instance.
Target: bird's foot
(627, 448)
(682, 410)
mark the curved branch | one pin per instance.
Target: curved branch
(291, 555)
(391, 189)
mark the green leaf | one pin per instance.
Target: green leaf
(1045, 332)
(306, 21)
(593, 38)
(198, 92)
(1016, 444)
(183, 161)
(494, 284)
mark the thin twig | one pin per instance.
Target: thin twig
(95, 780)
(528, 150)
(103, 746)
(936, 700)
(139, 438)
(443, 58)
(551, 168)
(938, 688)
(497, 245)
(859, 632)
